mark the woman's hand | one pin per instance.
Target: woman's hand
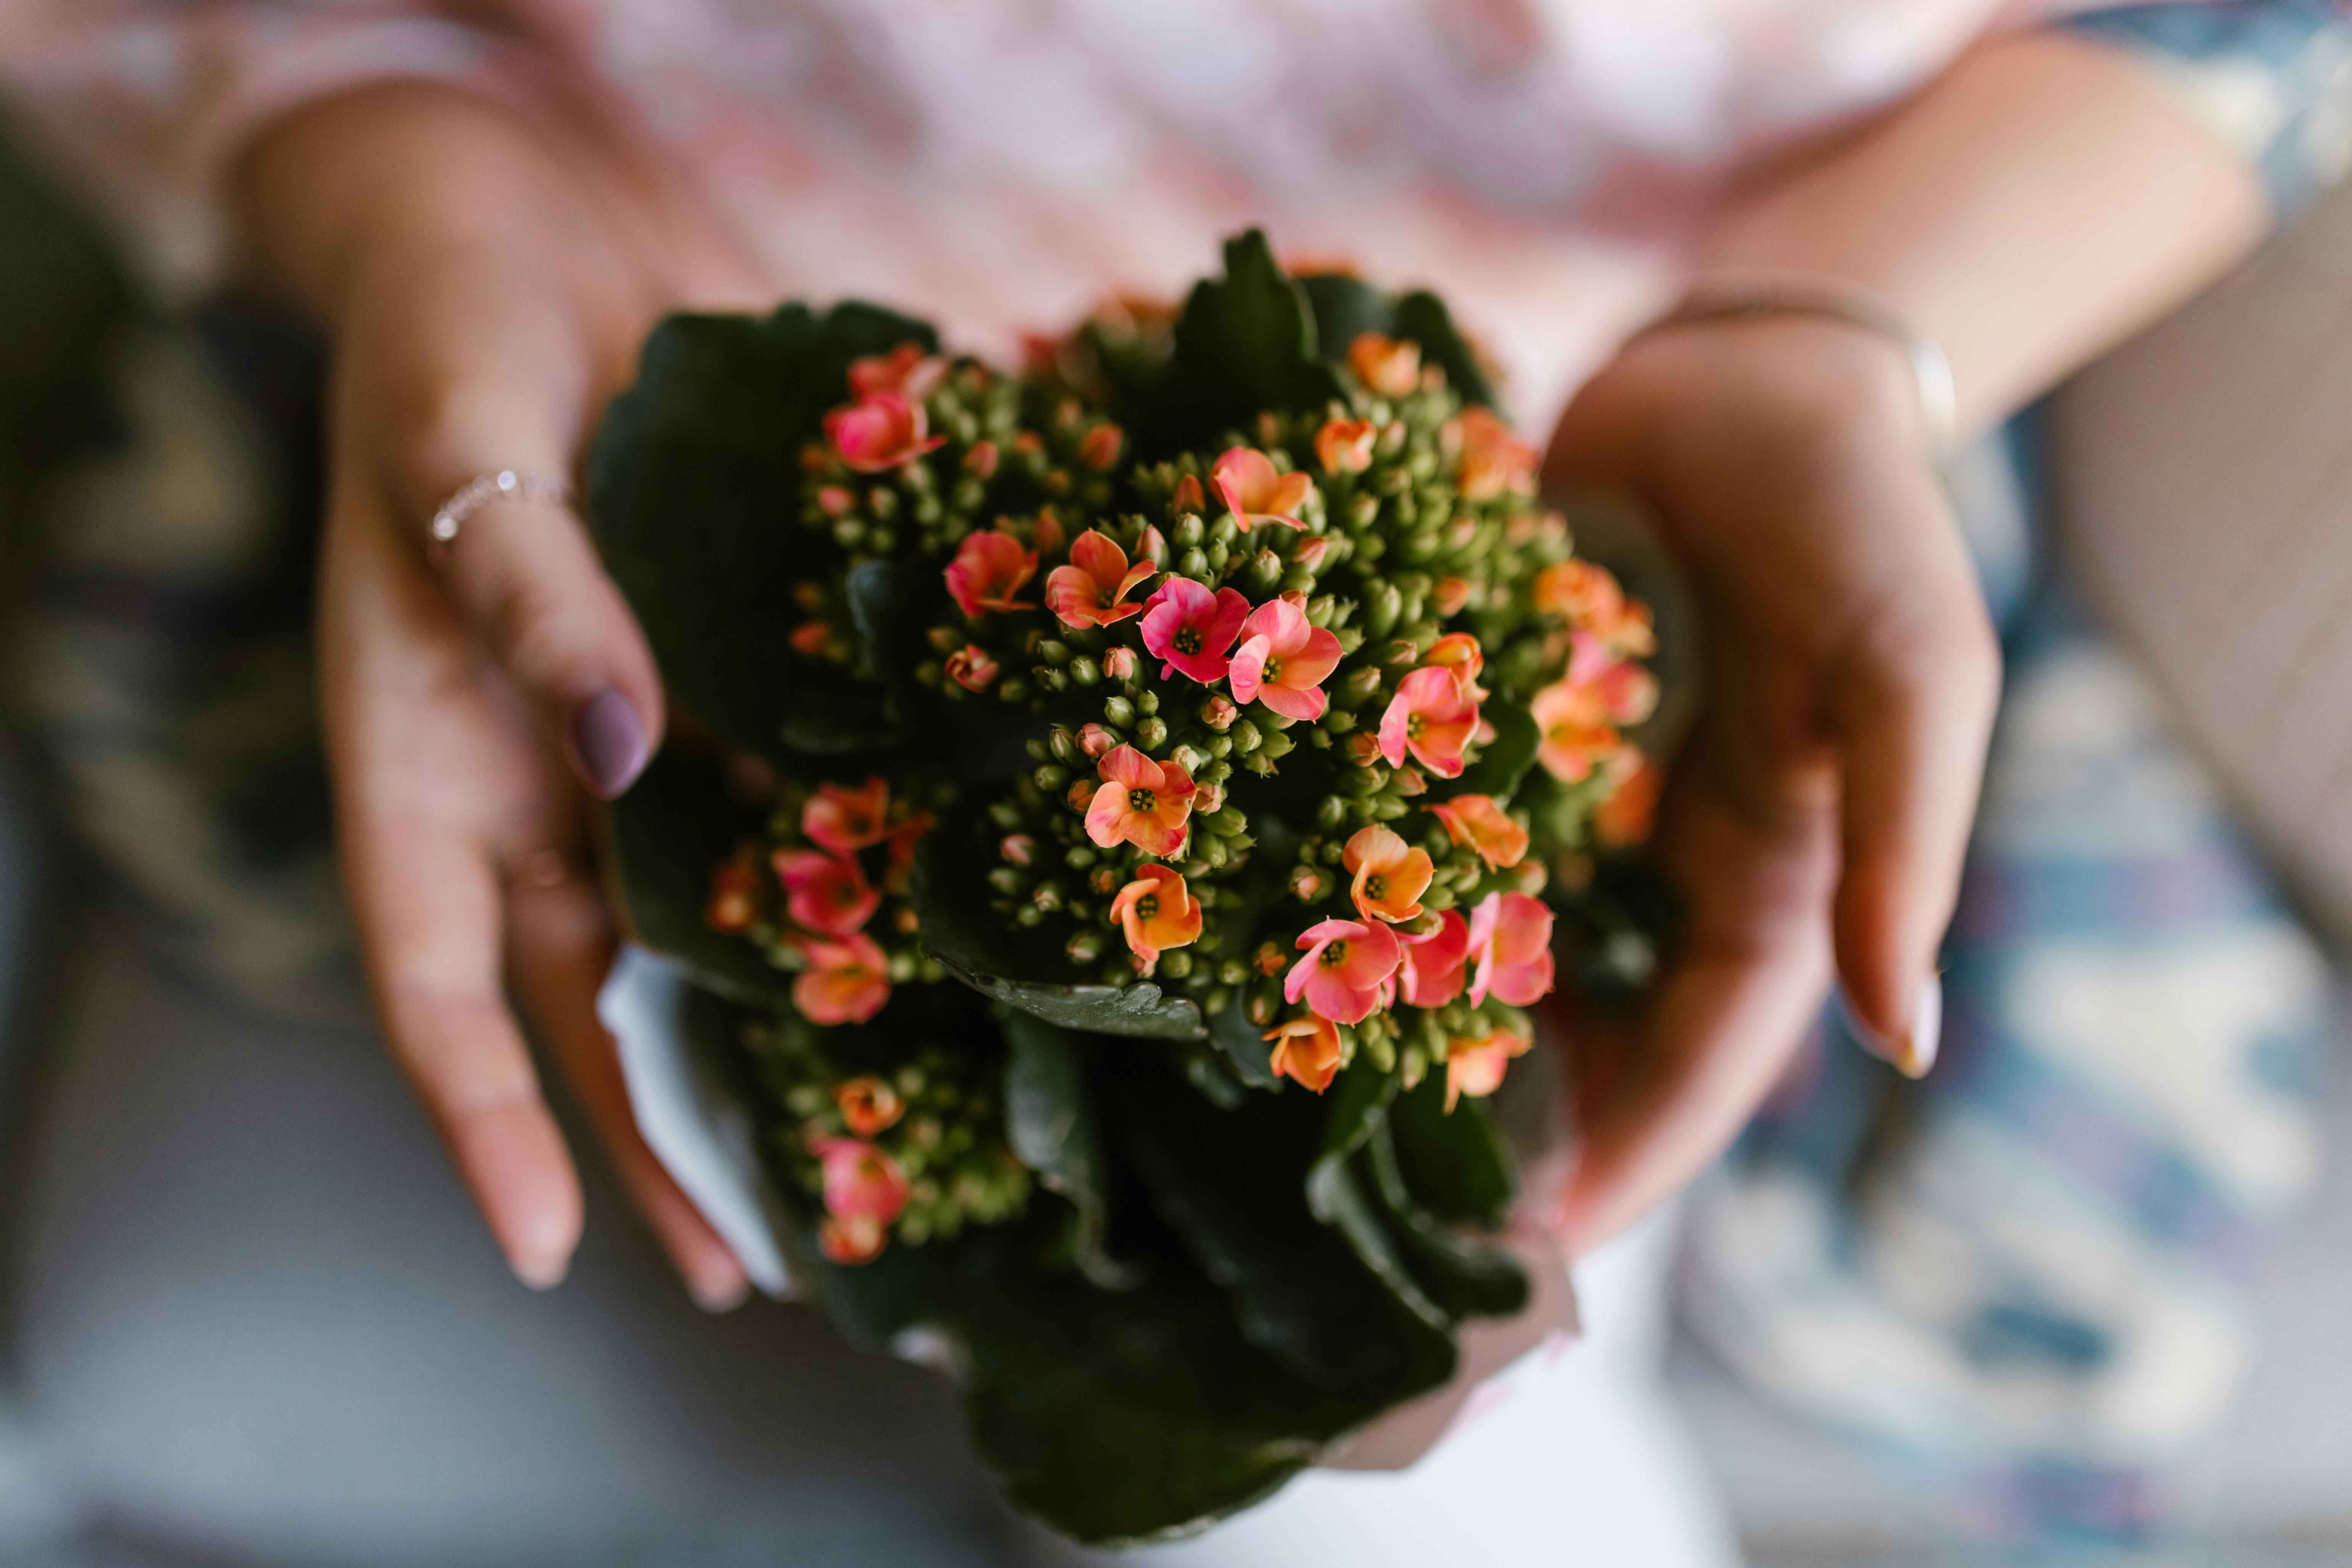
(1818, 814)
(484, 294)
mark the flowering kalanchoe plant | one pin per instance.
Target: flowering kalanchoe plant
(1123, 820)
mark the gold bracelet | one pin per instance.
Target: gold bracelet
(1743, 294)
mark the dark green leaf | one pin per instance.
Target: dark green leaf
(1050, 1120)
(1462, 1274)
(1423, 317)
(694, 497)
(1016, 967)
(1244, 1046)
(1345, 308)
(1245, 342)
(1233, 1184)
(1453, 1163)
(1503, 761)
(667, 836)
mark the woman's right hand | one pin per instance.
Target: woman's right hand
(485, 291)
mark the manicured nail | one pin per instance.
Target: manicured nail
(1914, 1053)
(608, 741)
(542, 1272)
(721, 1295)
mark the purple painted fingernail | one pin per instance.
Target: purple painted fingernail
(608, 741)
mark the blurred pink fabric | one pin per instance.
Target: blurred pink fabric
(1002, 164)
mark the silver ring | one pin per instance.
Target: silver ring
(507, 484)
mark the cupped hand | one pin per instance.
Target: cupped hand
(483, 298)
(1815, 821)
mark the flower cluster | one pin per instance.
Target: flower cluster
(809, 895)
(914, 1151)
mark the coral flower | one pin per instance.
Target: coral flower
(1100, 447)
(1430, 717)
(737, 898)
(1629, 811)
(852, 1241)
(1090, 591)
(879, 432)
(1385, 366)
(1306, 1048)
(869, 1104)
(1119, 664)
(1187, 496)
(900, 848)
(988, 570)
(1157, 911)
(1590, 598)
(826, 893)
(845, 982)
(1283, 660)
(1476, 820)
(1254, 492)
(1345, 445)
(1474, 1068)
(1141, 802)
(1574, 734)
(1189, 629)
(1493, 459)
(1459, 652)
(1390, 875)
(971, 668)
(905, 370)
(1434, 962)
(861, 1181)
(1348, 964)
(1510, 937)
(845, 820)
(812, 638)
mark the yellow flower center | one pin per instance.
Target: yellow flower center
(1273, 675)
(1376, 886)
(1335, 955)
(1187, 640)
(1141, 800)
(1147, 906)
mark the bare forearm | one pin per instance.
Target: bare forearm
(2036, 203)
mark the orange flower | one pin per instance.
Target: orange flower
(1345, 445)
(1434, 961)
(811, 638)
(1510, 938)
(1384, 365)
(1450, 594)
(1432, 718)
(971, 668)
(1156, 911)
(1474, 1068)
(1627, 812)
(1187, 496)
(869, 1104)
(1306, 1048)
(1348, 969)
(1283, 660)
(845, 820)
(905, 370)
(1476, 820)
(1591, 600)
(879, 431)
(845, 982)
(988, 570)
(826, 893)
(738, 898)
(1092, 589)
(851, 1239)
(1459, 652)
(1390, 876)
(1575, 724)
(1493, 459)
(1100, 447)
(1141, 802)
(1256, 492)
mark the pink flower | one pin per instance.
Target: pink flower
(1433, 964)
(1283, 660)
(826, 893)
(1218, 712)
(1450, 595)
(905, 370)
(1189, 629)
(879, 432)
(1430, 717)
(980, 459)
(1141, 802)
(1306, 1048)
(1089, 591)
(1119, 664)
(1187, 496)
(1476, 1068)
(1510, 936)
(852, 1241)
(1096, 741)
(1344, 446)
(1156, 911)
(846, 820)
(1391, 875)
(988, 570)
(1385, 366)
(1311, 551)
(1459, 652)
(869, 1104)
(1100, 447)
(1630, 809)
(1478, 821)
(1590, 599)
(861, 1181)
(971, 668)
(845, 982)
(1255, 491)
(1573, 731)
(1348, 964)
(1493, 459)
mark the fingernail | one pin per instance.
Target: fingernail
(720, 1295)
(1914, 1053)
(608, 741)
(544, 1272)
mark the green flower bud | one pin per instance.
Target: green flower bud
(1194, 562)
(1246, 736)
(1337, 721)
(1146, 702)
(1013, 689)
(1152, 733)
(1084, 671)
(1278, 745)
(1050, 679)
(1084, 947)
(1382, 605)
(1005, 815)
(1264, 570)
(1218, 554)
(1188, 532)
(1052, 777)
(1228, 823)
(1053, 650)
(1080, 857)
(1330, 814)
(1118, 712)
(1224, 532)
(1063, 745)
(1046, 896)
(1038, 750)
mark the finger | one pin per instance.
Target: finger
(424, 895)
(495, 372)
(1746, 980)
(1914, 719)
(563, 947)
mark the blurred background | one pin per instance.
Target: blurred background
(170, 934)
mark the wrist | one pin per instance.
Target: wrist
(1801, 378)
